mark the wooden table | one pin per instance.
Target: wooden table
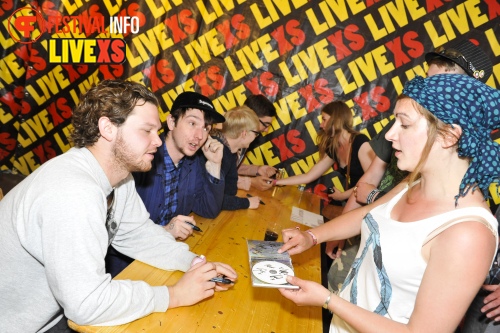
(243, 308)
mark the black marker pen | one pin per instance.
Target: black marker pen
(221, 280)
(193, 226)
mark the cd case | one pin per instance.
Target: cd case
(268, 267)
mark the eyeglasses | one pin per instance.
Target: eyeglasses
(461, 60)
(265, 124)
(257, 134)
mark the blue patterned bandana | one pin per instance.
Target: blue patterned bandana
(463, 100)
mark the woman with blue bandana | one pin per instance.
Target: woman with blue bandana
(425, 251)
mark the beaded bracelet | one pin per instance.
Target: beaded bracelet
(315, 240)
(372, 195)
(327, 301)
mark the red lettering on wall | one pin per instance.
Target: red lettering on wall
(6, 5)
(493, 8)
(111, 71)
(280, 143)
(8, 99)
(321, 90)
(356, 41)
(8, 142)
(396, 47)
(297, 144)
(297, 36)
(159, 74)
(242, 30)
(432, 5)
(372, 102)
(75, 71)
(264, 80)
(44, 151)
(217, 81)
(59, 111)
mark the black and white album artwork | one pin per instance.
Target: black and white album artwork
(272, 272)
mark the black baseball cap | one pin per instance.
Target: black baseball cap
(470, 57)
(194, 100)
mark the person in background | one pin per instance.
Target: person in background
(410, 274)
(253, 175)
(57, 224)
(457, 57)
(186, 173)
(338, 144)
(483, 315)
(383, 173)
(238, 131)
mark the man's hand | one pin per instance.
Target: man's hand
(262, 183)
(227, 272)
(213, 151)
(179, 228)
(266, 170)
(194, 285)
(492, 301)
(254, 202)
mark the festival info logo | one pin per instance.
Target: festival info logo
(26, 25)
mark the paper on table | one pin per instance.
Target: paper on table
(305, 217)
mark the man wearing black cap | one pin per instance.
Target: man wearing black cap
(182, 179)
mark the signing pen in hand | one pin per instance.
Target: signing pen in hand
(221, 280)
(249, 196)
(193, 226)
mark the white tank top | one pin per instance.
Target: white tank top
(388, 269)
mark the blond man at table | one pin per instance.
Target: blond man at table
(57, 224)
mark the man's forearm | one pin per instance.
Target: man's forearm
(248, 170)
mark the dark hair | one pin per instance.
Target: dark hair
(179, 113)
(114, 99)
(445, 63)
(261, 106)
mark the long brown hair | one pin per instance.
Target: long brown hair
(341, 117)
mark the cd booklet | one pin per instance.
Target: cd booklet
(268, 267)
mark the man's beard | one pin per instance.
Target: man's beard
(125, 158)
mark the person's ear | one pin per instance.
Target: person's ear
(107, 129)
(170, 122)
(452, 136)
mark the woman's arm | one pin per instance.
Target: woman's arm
(316, 171)
(449, 284)
(366, 155)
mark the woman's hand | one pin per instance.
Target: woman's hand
(337, 245)
(309, 294)
(295, 241)
(492, 302)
